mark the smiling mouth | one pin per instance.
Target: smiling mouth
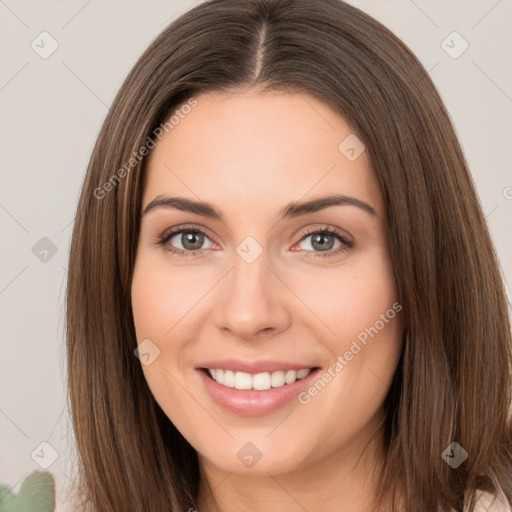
(258, 381)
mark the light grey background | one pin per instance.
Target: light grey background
(51, 112)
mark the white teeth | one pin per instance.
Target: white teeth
(229, 379)
(290, 377)
(303, 373)
(259, 381)
(242, 380)
(277, 379)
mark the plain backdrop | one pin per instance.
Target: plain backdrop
(51, 111)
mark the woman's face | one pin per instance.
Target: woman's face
(270, 282)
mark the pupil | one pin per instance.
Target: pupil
(192, 241)
(321, 239)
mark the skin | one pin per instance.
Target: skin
(250, 154)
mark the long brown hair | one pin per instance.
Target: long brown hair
(453, 382)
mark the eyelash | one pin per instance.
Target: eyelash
(167, 235)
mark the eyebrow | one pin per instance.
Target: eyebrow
(291, 210)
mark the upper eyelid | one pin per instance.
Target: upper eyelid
(169, 233)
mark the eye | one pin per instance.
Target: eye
(185, 241)
(189, 241)
(322, 242)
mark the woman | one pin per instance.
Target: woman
(282, 293)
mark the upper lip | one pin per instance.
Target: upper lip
(254, 366)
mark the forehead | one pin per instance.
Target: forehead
(253, 149)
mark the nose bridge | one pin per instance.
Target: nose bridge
(250, 276)
(251, 300)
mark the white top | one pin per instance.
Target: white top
(487, 502)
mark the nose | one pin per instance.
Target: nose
(252, 303)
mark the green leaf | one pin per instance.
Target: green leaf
(37, 494)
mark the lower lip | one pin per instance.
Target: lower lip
(254, 403)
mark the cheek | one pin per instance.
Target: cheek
(162, 304)
(351, 298)
(163, 294)
(359, 312)
(166, 300)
